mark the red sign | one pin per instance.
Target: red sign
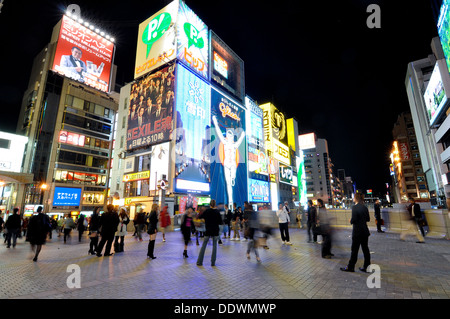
(404, 152)
(83, 55)
(71, 138)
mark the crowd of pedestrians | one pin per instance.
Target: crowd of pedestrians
(107, 231)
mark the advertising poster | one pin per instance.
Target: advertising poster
(150, 113)
(227, 69)
(436, 94)
(258, 191)
(192, 168)
(275, 134)
(159, 164)
(257, 159)
(156, 40)
(192, 41)
(228, 151)
(83, 55)
(67, 196)
(444, 30)
(404, 151)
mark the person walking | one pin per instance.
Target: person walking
(108, 222)
(94, 225)
(38, 228)
(235, 222)
(378, 219)
(60, 226)
(212, 223)
(68, 225)
(253, 226)
(412, 219)
(228, 218)
(140, 223)
(311, 222)
(121, 231)
(187, 224)
(416, 212)
(360, 234)
(164, 221)
(199, 223)
(323, 220)
(283, 222)
(12, 226)
(25, 226)
(152, 230)
(81, 227)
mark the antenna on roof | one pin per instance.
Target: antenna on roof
(74, 10)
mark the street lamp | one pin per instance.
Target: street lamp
(43, 187)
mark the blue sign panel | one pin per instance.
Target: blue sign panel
(67, 196)
(192, 167)
(258, 191)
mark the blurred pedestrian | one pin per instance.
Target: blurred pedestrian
(221, 210)
(323, 220)
(360, 234)
(212, 222)
(199, 223)
(152, 230)
(109, 221)
(38, 228)
(378, 219)
(94, 225)
(68, 225)
(253, 226)
(81, 227)
(164, 221)
(121, 231)
(228, 218)
(25, 226)
(60, 226)
(283, 222)
(236, 222)
(311, 222)
(416, 212)
(12, 225)
(187, 223)
(140, 223)
(411, 219)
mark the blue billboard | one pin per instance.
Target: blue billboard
(258, 191)
(67, 196)
(192, 162)
(228, 151)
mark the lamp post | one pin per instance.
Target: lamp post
(43, 188)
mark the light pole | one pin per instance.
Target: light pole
(43, 188)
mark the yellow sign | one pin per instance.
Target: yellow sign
(136, 176)
(274, 133)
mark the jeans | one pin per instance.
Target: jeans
(284, 230)
(310, 228)
(12, 233)
(201, 254)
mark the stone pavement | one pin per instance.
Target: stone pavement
(408, 270)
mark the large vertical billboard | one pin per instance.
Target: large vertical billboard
(275, 134)
(83, 55)
(227, 69)
(156, 40)
(257, 158)
(437, 94)
(444, 30)
(192, 41)
(150, 114)
(193, 99)
(228, 150)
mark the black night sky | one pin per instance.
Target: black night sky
(315, 60)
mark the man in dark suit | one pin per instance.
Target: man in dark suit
(212, 221)
(377, 208)
(360, 234)
(108, 222)
(312, 220)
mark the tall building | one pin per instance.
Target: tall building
(408, 174)
(68, 114)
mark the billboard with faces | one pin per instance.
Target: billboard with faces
(437, 93)
(150, 113)
(192, 149)
(228, 150)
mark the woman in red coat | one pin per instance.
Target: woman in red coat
(164, 221)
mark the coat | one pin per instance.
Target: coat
(109, 222)
(359, 220)
(38, 228)
(122, 227)
(164, 218)
(212, 221)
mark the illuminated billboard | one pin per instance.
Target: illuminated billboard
(228, 150)
(307, 141)
(192, 41)
(258, 191)
(83, 55)
(159, 164)
(437, 94)
(275, 134)
(227, 69)
(286, 174)
(444, 30)
(67, 196)
(257, 158)
(192, 152)
(150, 115)
(301, 179)
(12, 147)
(156, 40)
(71, 138)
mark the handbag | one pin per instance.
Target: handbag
(93, 234)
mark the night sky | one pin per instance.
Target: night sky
(315, 60)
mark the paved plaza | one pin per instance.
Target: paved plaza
(408, 270)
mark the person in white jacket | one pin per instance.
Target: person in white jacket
(121, 231)
(283, 222)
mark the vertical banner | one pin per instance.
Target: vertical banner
(192, 41)
(192, 139)
(228, 150)
(150, 113)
